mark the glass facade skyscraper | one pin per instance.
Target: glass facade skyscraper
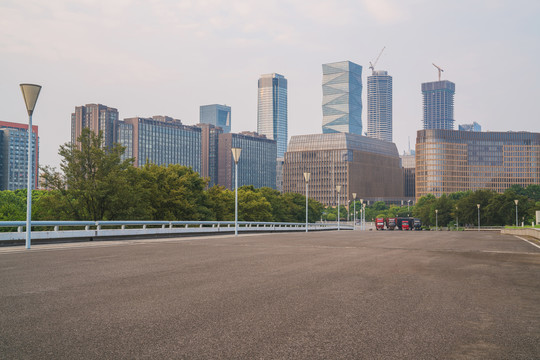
(14, 155)
(342, 98)
(272, 110)
(379, 103)
(438, 104)
(217, 115)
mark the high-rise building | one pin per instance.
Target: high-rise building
(160, 140)
(438, 104)
(359, 164)
(209, 152)
(470, 127)
(257, 164)
(342, 98)
(272, 110)
(449, 161)
(379, 106)
(408, 163)
(97, 118)
(217, 115)
(14, 155)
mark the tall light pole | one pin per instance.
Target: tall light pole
(478, 206)
(408, 211)
(30, 94)
(363, 216)
(516, 202)
(354, 210)
(436, 219)
(338, 189)
(236, 155)
(306, 177)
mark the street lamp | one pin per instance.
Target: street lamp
(478, 206)
(436, 219)
(362, 214)
(338, 189)
(408, 203)
(354, 210)
(236, 155)
(30, 94)
(306, 177)
(516, 201)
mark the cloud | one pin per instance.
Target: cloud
(384, 11)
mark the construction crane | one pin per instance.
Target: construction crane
(440, 71)
(372, 65)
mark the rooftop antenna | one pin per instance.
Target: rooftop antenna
(372, 66)
(440, 71)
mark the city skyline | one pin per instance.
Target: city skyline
(221, 49)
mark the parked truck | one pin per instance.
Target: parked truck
(404, 223)
(379, 223)
(417, 224)
(390, 223)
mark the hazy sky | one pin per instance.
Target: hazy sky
(168, 57)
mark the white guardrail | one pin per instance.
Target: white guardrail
(48, 230)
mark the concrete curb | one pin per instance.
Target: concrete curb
(535, 233)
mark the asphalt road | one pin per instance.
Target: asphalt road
(325, 295)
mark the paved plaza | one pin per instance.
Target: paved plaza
(323, 295)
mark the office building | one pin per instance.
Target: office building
(272, 110)
(470, 127)
(342, 98)
(448, 161)
(359, 164)
(257, 164)
(408, 164)
(438, 104)
(279, 174)
(217, 115)
(209, 152)
(97, 118)
(14, 155)
(379, 106)
(160, 140)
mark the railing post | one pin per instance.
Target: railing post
(19, 229)
(56, 228)
(144, 227)
(186, 226)
(123, 227)
(170, 224)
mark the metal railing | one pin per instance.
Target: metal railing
(48, 230)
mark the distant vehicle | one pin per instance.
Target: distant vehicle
(417, 224)
(390, 223)
(379, 223)
(404, 223)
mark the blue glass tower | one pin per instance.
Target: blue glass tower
(342, 98)
(438, 104)
(217, 115)
(272, 110)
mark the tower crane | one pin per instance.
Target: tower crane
(372, 65)
(440, 71)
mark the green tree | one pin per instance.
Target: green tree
(93, 182)
(252, 206)
(221, 203)
(12, 206)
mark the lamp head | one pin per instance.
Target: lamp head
(354, 196)
(516, 201)
(236, 154)
(307, 176)
(338, 188)
(30, 94)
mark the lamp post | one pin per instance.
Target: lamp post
(363, 216)
(516, 202)
(408, 211)
(478, 206)
(436, 219)
(236, 155)
(354, 210)
(306, 177)
(338, 189)
(30, 94)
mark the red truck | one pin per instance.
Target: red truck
(391, 223)
(379, 223)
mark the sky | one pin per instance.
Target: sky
(168, 57)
